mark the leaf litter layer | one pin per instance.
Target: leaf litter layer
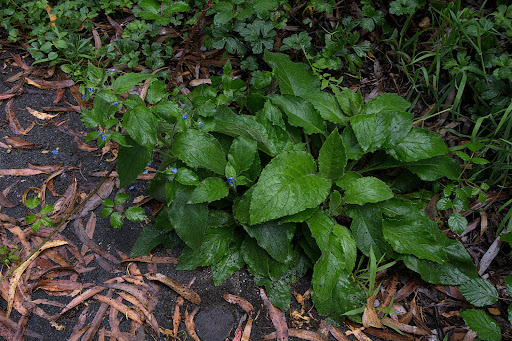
(482, 222)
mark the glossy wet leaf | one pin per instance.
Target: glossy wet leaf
(326, 104)
(241, 154)
(287, 185)
(135, 214)
(116, 220)
(485, 327)
(132, 161)
(141, 125)
(273, 238)
(457, 223)
(199, 149)
(300, 113)
(332, 157)
(419, 144)
(210, 189)
(230, 263)
(367, 190)
(479, 292)
(127, 81)
(435, 168)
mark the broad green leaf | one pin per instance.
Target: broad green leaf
(189, 220)
(352, 147)
(332, 158)
(216, 244)
(223, 270)
(190, 259)
(415, 235)
(485, 327)
(346, 179)
(351, 102)
(186, 177)
(300, 113)
(275, 239)
(448, 273)
(367, 189)
(103, 107)
(121, 198)
(287, 185)
(156, 91)
(140, 125)
(272, 113)
(135, 214)
(150, 237)
(210, 189)
(166, 110)
(241, 154)
(419, 144)
(116, 220)
(479, 292)
(435, 168)
(132, 161)
(259, 261)
(457, 223)
(326, 105)
(104, 213)
(199, 149)
(127, 81)
(294, 78)
(366, 228)
(386, 103)
(299, 217)
(271, 139)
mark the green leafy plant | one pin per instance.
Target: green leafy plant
(133, 213)
(41, 218)
(8, 256)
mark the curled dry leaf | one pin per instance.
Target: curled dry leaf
(182, 290)
(20, 172)
(247, 330)
(83, 146)
(241, 302)
(19, 143)
(13, 122)
(50, 85)
(4, 202)
(131, 314)
(299, 333)
(405, 327)
(20, 63)
(6, 96)
(80, 232)
(45, 168)
(66, 202)
(370, 317)
(238, 331)
(338, 334)
(277, 316)
(39, 114)
(196, 82)
(190, 325)
(151, 259)
(13, 283)
(98, 319)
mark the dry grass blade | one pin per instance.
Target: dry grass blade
(46, 168)
(241, 302)
(13, 283)
(489, 255)
(6, 96)
(182, 290)
(190, 324)
(13, 122)
(405, 327)
(65, 204)
(277, 316)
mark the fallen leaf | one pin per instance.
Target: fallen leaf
(405, 327)
(190, 325)
(150, 318)
(39, 114)
(182, 290)
(129, 313)
(370, 317)
(52, 16)
(4, 202)
(176, 316)
(19, 143)
(66, 202)
(241, 302)
(300, 333)
(6, 96)
(13, 283)
(68, 130)
(83, 146)
(79, 230)
(58, 96)
(196, 82)
(45, 168)
(20, 63)
(98, 319)
(50, 85)
(238, 331)
(247, 330)
(151, 259)
(277, 316)
(338, 334)
(14, 124)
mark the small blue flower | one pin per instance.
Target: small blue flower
(90, 89)
(83, 96)
(149, 164)
(185, 117)
(201, 124)
(169, 179)
(110, 70)
(103, 136)
(63, 175)
(145, 172)
(115, 104)
(230, 180)
(174, 170)
(131, 187)
(55, 152)
(99, 79)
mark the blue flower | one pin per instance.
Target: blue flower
(185, 117)
(174, 170)
(149, 164)
(55, 152)
(145, 172)
(103, 136)
(115, 104)
(90, 89)
(230, 180)
(83, 96)
(110, 70)
(169, 179)
(201, 124)
(131, 187)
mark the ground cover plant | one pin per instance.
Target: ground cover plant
(278, 162)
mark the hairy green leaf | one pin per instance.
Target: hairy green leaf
(131, 161)
(300, 113)
(367, 189)
(275, 239)
(127, 81)
(140, 125)
(419, 144)
(485, 327)
(326, 105)
(435, 168)
(210, 189)
(332, 158)
(241, 154)
(135, 214)
(479, 292)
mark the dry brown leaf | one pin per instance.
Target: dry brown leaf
(6, 96)
(39, 114)
(68, 130)
(13, 122)
(103, 192)
(277, 316)
(83, 146)
(129, 313)
(4, 202)
(405, 327)
(338, 334)
(66, 202)
(238, 331)
(58, 96)
(98, 319)
(357, 332)
(151, 259)
(13, 282)
(79, 230)
(50, 85)
(196, 82)
(52, 16)
(182, 290)
(19, 143)
(20, 63)
(150, 318)
(299, 333)
(370, 317)
(45, 168)
(19, 172)
(241, 302)
(77, 95)
(190, 325)
(247, 330)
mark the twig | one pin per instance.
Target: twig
(57, 228)
(193, 31)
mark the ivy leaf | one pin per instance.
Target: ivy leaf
(485, 327)
(479, 292)
(287, 185)
(127, 81)
(367, 189)
(419, 144)
(140, 124)
(300, 113)
(275, 239)
(199, 149)
(294, 78)
(210, 189)
(332, 158)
